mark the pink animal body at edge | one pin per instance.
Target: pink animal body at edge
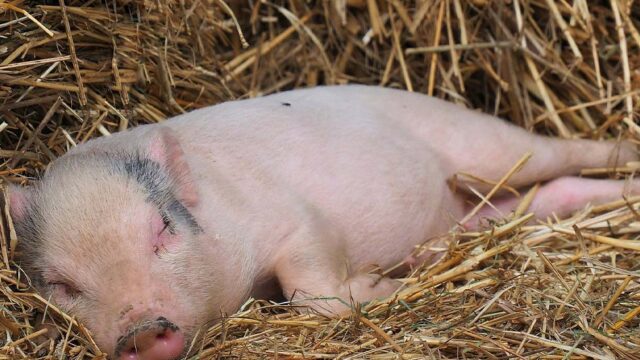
(148, 235)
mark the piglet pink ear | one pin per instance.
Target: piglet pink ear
(164, 148)
(18, 198)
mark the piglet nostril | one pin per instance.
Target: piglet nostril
(162, 335)
(129, 354)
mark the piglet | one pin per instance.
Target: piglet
(148, 235)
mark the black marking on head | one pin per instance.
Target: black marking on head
(155, 181)
(30, 224)
(29, 230)
(179, 211)
(286, 104)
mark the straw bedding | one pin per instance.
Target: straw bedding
(551, 288)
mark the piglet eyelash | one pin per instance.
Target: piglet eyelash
(168, 223)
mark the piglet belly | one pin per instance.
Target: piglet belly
(385, 205)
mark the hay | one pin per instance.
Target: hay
(558, 289)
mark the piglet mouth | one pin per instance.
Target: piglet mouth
(151, 339)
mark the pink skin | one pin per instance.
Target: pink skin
(307, 187)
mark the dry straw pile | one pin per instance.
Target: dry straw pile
(547, 289)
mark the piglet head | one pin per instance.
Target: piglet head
(111, 237)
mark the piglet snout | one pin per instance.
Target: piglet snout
(153, 340)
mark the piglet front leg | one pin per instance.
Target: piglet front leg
(313, 269)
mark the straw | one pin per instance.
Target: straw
(521, 288)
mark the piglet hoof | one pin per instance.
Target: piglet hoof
(364, 288)
(158, 340)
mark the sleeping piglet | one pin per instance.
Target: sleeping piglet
(148, 235)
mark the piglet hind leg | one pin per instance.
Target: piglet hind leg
(562, 197)
(488, 148)
(313, 270)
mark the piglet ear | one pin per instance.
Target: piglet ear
(18, 199)
(164, 148)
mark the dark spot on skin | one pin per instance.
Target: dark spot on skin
(126, 310)
(286, 104)
(158, 250)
